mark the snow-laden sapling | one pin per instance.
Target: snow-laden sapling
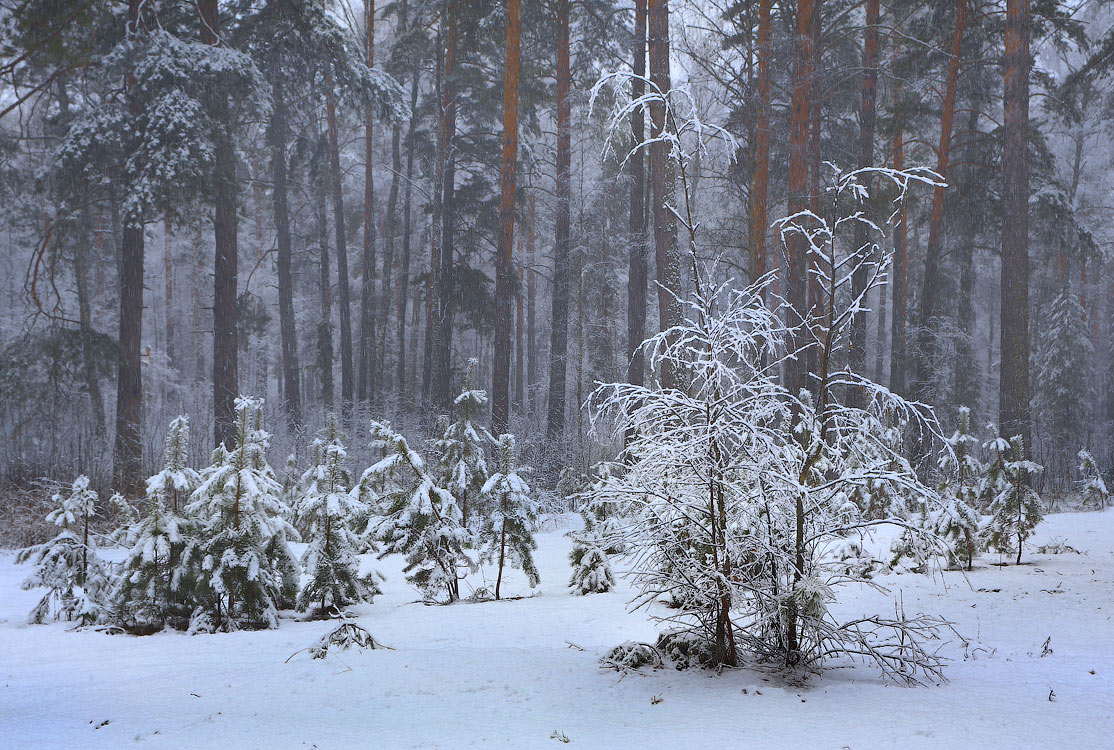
(958, 520)
(507, 536)
(1063, 376)
(241, 560)
(631, 655)
(462, 466)
(1014, 507)
(414, 516)
(736, 487)
(67, 566)
(605, 516)
(147, 591)
(878, 497)
(177, 480)
(346, 636)
(326, 512)
(591, 570)
(1092, 487)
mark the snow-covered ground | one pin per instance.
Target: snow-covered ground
(503, 674)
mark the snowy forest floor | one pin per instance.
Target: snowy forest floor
(503, 673)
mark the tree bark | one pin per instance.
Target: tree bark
(368, 364)
(504, 261)
(900, 264)
(796, 245)
(287, 331)
(502, 547)
(759, 208)
(129, 385)
(168, 289)
(815, 286)
(531, 313)
(384, 308)
(85, 316)
(520, 338)
(926, 347)
(559, 330)
(404, 270)
(325, 328)
(968, 389)
(1013, 394)
(880, 339)
(866, 159)
(225, 263)
(347, 390)
(128, 450)
(443, 333)
(637, 271)
(663, 180)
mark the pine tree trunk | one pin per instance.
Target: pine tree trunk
(287, 331)
(925, 350)
(343, 294)
(900, 264)
(198, 271)
(440, 385)
(531, 313)
(85, 318)
(225, 351)
(559, 329)
(257, 201)
(1013, 394)
(519, 342)
(866, 159)
(415, 327)
(663, 180)
(168, 289)
(637, 271)
(368, 364)
(129, 385)
(759, 208)
(815, 286)
(404, 384)
(391, 233)
(128, 456)
(796, 245)
(502, 558)
(504, 261)
(880, 339)
(967, 386)
(325, 329)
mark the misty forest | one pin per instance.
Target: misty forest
(520, 364)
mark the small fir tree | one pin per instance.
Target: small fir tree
(591, 570)
(68, 566)
(879, 496)
(147, 592)
(414, 516)
(1092, 486)
(462, 467)
(507, 536)
(959, 521)
(1064, 382)
(241, 558)
(1014, 507)
(326, 512)
(606, 517)
(297, 483)
(176, 482)
(145, 597)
